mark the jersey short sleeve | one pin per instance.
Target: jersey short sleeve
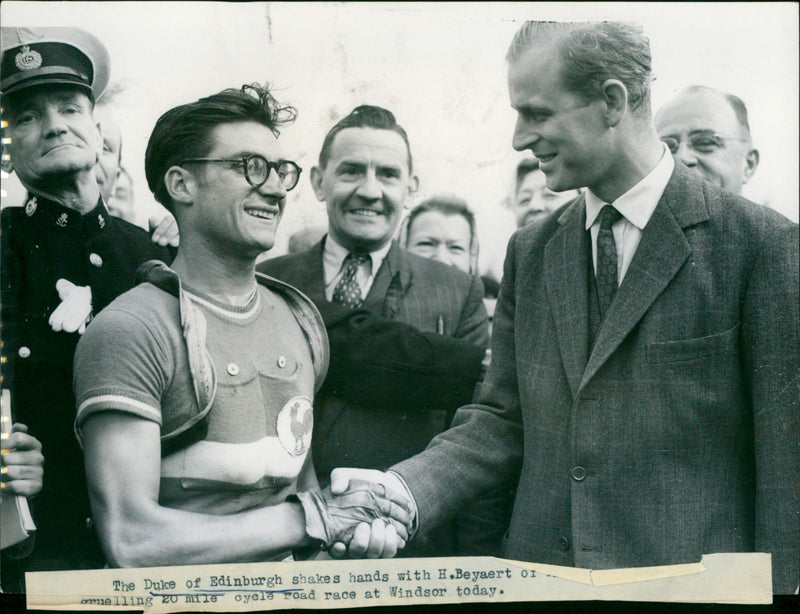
(121, 364)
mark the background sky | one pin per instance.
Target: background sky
(439, 67)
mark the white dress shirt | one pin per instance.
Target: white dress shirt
(333, 255)
(636, 206)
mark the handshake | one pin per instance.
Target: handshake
(363, 513)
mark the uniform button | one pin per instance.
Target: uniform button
(96, 260)
(563, 543)
(24, 351)
(89, 523)
(233, 368)
(281, 361)
(578, 473)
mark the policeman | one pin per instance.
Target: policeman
(64, 258)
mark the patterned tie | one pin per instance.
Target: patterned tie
(347, 292)
(606, 259)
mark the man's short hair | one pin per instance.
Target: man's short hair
(591, 53)
(446, 205)
(525, 168)
(736, 103)
(364, 116)
(185, 131)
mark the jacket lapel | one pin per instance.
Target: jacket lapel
(565, 258)
(662, 252)
(392, 281)
(309, 274)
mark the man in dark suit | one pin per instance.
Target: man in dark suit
(644, 425)
(365, 177)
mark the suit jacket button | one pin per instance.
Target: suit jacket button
(578, 473)
(96, 260)
(563, 543)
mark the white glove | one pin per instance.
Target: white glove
(75, 310)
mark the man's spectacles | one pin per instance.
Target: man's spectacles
(706, 143)
(257, 169)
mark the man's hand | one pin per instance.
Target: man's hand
(366, 540)
(21, 463)
(75, 310)
(332, 519)
(164, 229)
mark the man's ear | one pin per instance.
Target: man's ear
(99, 150)
(181, 185)
(615, 96)
(115, 180)
(317, 175)
(5, 159)
(413, 184)
(474, 252)
(751, 160)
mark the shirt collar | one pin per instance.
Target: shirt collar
(334, 254)
(639, 202)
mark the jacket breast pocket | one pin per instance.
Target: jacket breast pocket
(693, 349)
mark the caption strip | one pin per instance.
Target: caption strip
(720, 578)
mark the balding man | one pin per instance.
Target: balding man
(708, 131)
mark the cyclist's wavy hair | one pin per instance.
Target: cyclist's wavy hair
(185, 131)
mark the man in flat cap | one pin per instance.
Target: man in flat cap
(63, 259)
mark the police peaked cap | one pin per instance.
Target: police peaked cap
(39, 56)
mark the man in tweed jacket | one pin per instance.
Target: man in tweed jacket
(659, 426)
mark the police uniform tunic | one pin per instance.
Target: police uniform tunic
(43, 242)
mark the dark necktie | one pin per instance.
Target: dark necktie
(606, 259)
(347, 291)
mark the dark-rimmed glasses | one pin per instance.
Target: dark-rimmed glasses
(257, 169)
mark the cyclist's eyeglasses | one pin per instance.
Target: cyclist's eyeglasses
(257, 169)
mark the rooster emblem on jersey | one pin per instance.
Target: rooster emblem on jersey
(295, 424)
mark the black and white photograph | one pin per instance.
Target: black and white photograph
(312, 284)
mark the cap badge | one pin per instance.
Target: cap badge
(62, 220)
(30, 206)
(28, 59)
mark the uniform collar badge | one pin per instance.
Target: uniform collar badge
(101, 220)
(62, 220)
(31, 205)
(28, 59)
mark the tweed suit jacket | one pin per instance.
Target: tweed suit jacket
(410, 289)
(676, 435)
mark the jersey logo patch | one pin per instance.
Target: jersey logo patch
(295, 423)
